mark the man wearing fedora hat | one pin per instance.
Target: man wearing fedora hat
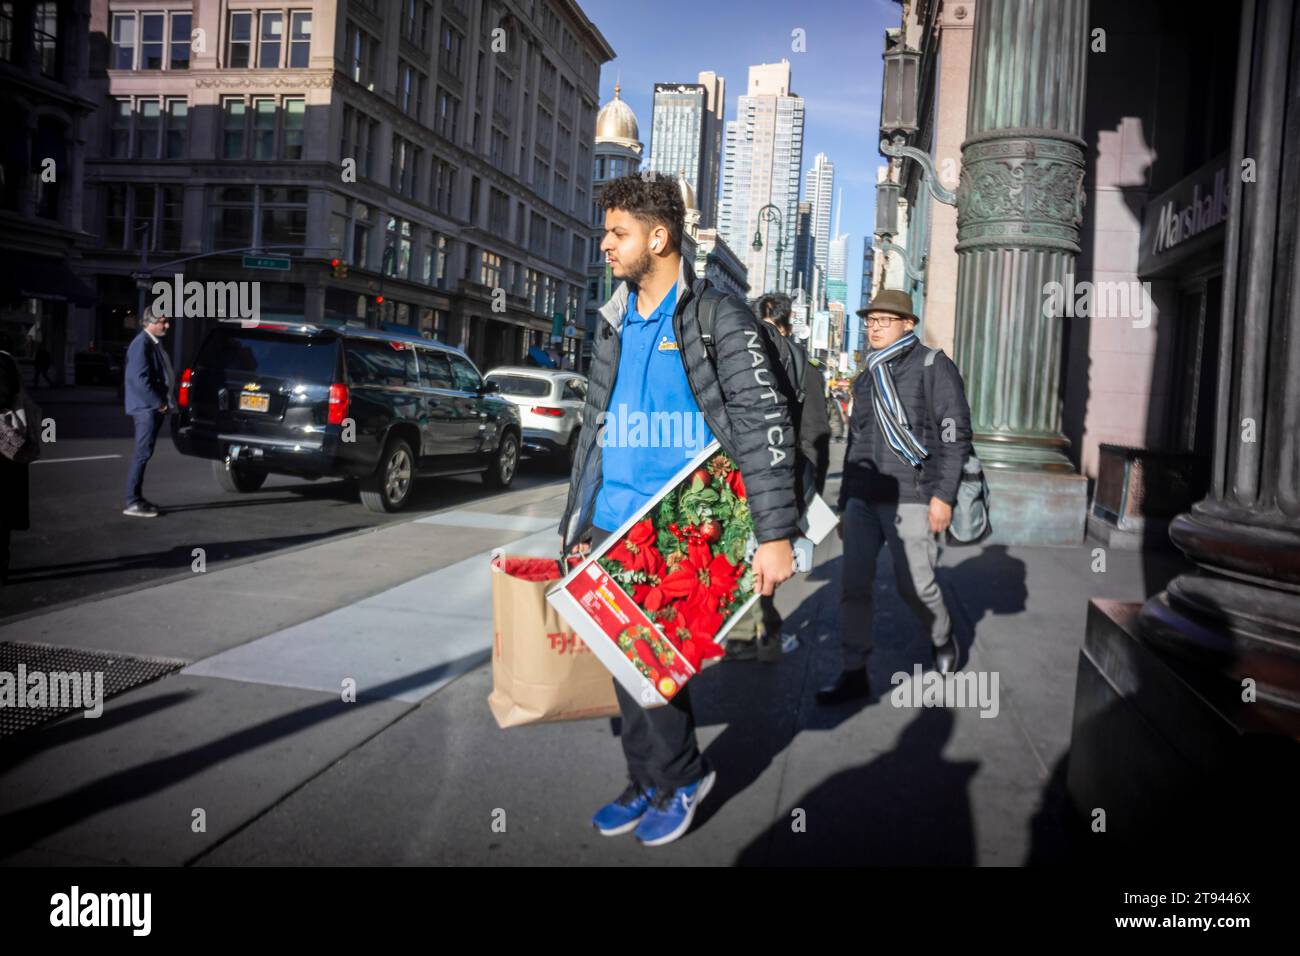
(908, 437)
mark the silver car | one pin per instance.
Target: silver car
(550, 407)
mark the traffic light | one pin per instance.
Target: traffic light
(379, 300)
(340, 268)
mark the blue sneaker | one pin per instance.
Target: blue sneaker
(622, 815)
(670, 816)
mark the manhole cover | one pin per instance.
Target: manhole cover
(54, 667)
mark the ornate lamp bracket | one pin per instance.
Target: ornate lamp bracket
(898, 150)
(887, 246)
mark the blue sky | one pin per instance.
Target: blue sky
(838, 76)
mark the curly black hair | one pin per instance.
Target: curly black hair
(652, 198)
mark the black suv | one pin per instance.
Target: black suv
(317, 402)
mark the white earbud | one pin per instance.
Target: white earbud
(654, 245)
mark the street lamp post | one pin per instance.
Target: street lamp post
(769, 214)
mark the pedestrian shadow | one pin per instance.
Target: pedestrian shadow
(24, 827)
(989, 583)
(16, 749)
(173, 558)
(907, 807)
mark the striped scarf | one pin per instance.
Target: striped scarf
(889, 410)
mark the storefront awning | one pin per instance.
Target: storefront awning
(40, 277)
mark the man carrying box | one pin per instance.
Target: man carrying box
(649, 358)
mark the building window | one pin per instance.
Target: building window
(179, 58)
(503, 96)
(264, 128)
(177, 128)
(360, 244)
(448, 108)
(450, 56)
(123, 41)
(142, 217)
(440, 262)
(240, 45)
(474, 190)
(411, 87)
(402, 175)
(498, 212)
(269, 39)
(152, 33)
(415, 21)
(295, 118)
(232, 217)
(234, 118)
(500, 149)
(360, 52)
(283, 215)
(442, 185)
(120, 133)
(161, 42)
(115, 216)
(148, 123)
(490, 270)
(171, 216)
(397, 250)
(45, 37)
(300, 39)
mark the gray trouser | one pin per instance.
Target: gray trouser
(906, 529)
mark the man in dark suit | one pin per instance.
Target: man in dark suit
(149, 383)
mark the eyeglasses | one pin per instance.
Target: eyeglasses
(883, 321)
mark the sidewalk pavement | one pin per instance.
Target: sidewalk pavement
(252, 740)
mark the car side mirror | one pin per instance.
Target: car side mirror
(487, 388)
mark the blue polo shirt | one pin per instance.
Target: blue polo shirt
(653, 426)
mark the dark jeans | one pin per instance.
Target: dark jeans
(659, 743)
(147, 426)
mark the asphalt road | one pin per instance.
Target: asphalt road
(80, 544)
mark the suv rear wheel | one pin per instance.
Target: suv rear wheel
(504, 463)
(237, 478)
(389, 487)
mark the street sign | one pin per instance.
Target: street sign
(277, 263)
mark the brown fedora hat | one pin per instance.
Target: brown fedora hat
(891, 300)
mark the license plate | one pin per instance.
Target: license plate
(254, 403)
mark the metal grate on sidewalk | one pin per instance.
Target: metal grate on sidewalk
(121, 673)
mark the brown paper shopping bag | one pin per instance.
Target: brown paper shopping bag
(541, 670)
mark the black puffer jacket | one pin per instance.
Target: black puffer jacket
(743, 409)
(871, 469)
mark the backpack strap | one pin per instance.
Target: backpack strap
(930, 356)
(799, 359)
(706, 315)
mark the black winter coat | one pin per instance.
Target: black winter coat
(740, 403)
(871, 469)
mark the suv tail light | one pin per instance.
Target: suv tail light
(338, 403)
(183, 394)
(546, 410)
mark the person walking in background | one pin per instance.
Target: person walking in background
(20, 443)
(649, 358)
(761, 635)
(907, 442)
(836, 420)
(149, 382)
(41, 364)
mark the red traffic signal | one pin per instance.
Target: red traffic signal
(340, 268)
(379, 300)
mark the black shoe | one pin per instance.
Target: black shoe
(945, 657)
(850, 685)
(741, 651)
